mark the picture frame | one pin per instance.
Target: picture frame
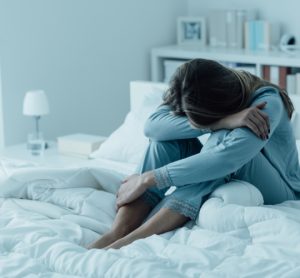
(191, 31)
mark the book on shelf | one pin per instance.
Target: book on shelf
(274, 75)
(241, 16)
(217, 28)
(79, 144)
(266, 73)
(291, 84)
(231, 32)
(283, 72)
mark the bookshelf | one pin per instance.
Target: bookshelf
(258, 59)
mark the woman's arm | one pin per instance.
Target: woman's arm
(251, 117)
(163, 125)
(235, 149)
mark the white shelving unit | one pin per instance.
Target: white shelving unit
(257, 58)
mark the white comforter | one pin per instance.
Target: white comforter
(48, 216)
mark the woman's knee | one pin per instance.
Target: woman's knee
(161, 153)
(178, 149)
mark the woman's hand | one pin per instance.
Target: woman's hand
(251, 117)
(133, 187)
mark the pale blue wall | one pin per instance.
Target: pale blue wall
(83, 53)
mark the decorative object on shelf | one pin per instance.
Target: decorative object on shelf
(36, 105)
(288, 44)
(191, 31)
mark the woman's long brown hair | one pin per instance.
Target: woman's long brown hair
(206, 91)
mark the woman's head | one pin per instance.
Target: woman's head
(206, 91)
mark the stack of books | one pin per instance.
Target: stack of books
(226, 27)
(80, 145)
(286, 77)
(261, 34)
(239, 29)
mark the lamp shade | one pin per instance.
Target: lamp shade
(35, 103)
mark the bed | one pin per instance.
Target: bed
(48, 216)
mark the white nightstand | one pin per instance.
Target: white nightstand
(50, 158)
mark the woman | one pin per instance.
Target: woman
(246, 143)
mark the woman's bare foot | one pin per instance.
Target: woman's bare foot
(163, 221)
(104, 241)
(118, 243)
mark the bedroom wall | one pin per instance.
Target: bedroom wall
(285, 12)
(1, 118)
(83, 54)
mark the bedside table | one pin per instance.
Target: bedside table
(50, 158)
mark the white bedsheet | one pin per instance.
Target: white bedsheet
(51, 215)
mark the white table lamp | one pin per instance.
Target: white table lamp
(36, 105)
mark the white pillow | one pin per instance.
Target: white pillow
(236, 192)
(128, 143)
(125, 144)
(240, 193)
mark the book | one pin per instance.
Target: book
(261, 42)
(266, 73)
(79, 144)
(291, 84)
(231, 29)
(274, 75)
(217, 28)
(240, 21)
(283, 71)
(298, 83)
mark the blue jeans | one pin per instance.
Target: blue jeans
(188, 199)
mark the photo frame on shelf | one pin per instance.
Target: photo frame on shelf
(191, 31)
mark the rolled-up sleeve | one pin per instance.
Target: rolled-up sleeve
(236, 148)
(163, 125)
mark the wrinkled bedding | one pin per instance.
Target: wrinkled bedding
(47, 216)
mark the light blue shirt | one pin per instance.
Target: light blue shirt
(226, 151)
